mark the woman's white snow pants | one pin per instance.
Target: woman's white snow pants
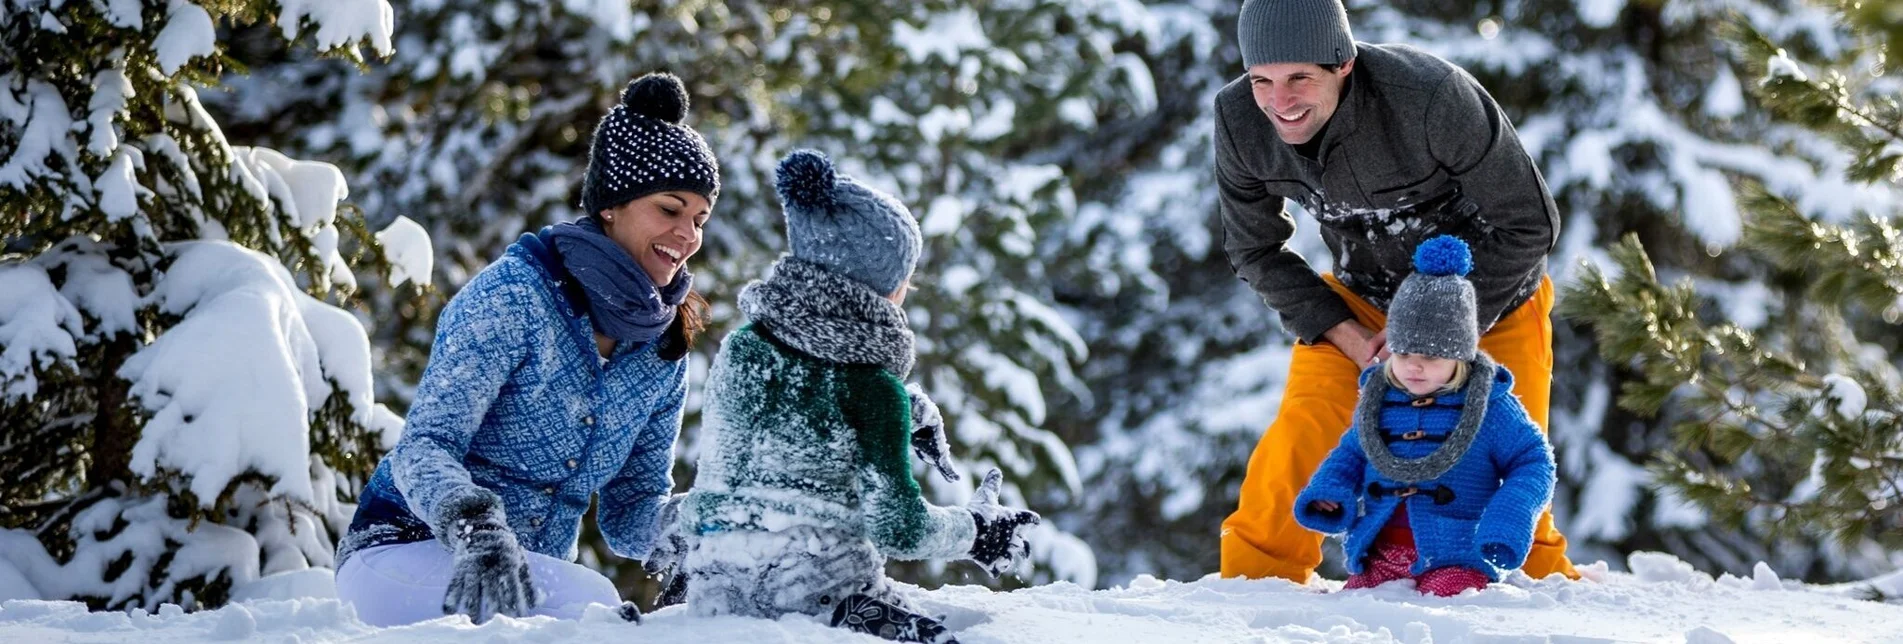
(404, 583)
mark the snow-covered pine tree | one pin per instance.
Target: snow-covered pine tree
(181, 396)
(1790, 433)
(970, 112)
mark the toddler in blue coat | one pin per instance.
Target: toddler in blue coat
(1442, 474)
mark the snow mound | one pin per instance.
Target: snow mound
(1624, 608)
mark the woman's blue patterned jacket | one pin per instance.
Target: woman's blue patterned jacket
(516, 400)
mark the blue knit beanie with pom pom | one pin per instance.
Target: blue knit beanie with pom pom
(641, 147)
(1433, 311)
(844, 226)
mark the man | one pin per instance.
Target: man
(1386, 146)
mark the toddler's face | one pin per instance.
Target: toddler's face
(1423, 374)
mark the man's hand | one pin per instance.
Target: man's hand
(1361, 345)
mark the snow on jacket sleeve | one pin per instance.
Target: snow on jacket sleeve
(1256, 227)
(1525, 460)
(631, 501)
(481, 337)
(1339, 480)
(1475, 142)
(898, 520)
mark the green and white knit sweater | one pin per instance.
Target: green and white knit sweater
(807, 427)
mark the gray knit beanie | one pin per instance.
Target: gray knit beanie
(641, 147)
(1294, 31)
(848, 228)
(1433, 311)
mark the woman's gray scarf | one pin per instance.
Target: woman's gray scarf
(622, 299)
(1374, 395)
(829, 316)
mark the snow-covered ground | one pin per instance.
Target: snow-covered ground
(1663, 600)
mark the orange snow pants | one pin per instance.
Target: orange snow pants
(1262, 539)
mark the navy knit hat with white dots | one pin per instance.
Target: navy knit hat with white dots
(641, 148)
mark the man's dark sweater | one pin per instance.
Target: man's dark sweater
(1416, 149)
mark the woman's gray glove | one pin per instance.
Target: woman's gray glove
(1000, 543)
(489, 573)
(928, 434)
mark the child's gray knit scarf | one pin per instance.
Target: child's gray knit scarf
(1414, 470)
(829, 316)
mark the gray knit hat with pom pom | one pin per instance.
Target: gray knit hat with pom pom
(641, 148)
(1432, 312)
(844, 226)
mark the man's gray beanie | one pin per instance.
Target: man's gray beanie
(1432, 313)
(1294, 31)
(844, 226)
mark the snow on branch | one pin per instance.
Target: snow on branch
(37, 328)
(341, 23)
(231, 388)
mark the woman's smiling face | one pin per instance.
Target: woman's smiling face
(660, 231)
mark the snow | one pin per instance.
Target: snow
(1781, 66)
(1850, 398)
(306, 194)
(942, 121)
(111, 90)
(95, 286)
(995, 122)
(1600, 14)
(37, 328)
(40, 117)
(1606, 514)
(214, 416)
(14, 585)
(188, 33)
(613, 16)
(341, 22)
(1078, 112)
(1018, 384)
(1660, 567)
(119, 188)
(945, 35)
(945, 215)
(295, 584)
(307, 191)
(1724, 98)
(411, 256)
(1142, 84)
(1622, 607)
(124, 13)
(132, 534)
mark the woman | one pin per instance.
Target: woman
(557, 374)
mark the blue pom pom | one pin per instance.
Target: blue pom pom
(805, 180)
(659, 95)
(1444, 255)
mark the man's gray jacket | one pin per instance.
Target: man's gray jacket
(1416, 149)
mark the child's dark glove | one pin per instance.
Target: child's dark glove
(489, 573)
(928, 434)
(664, 560)
(629, 612)
(1000, 543)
